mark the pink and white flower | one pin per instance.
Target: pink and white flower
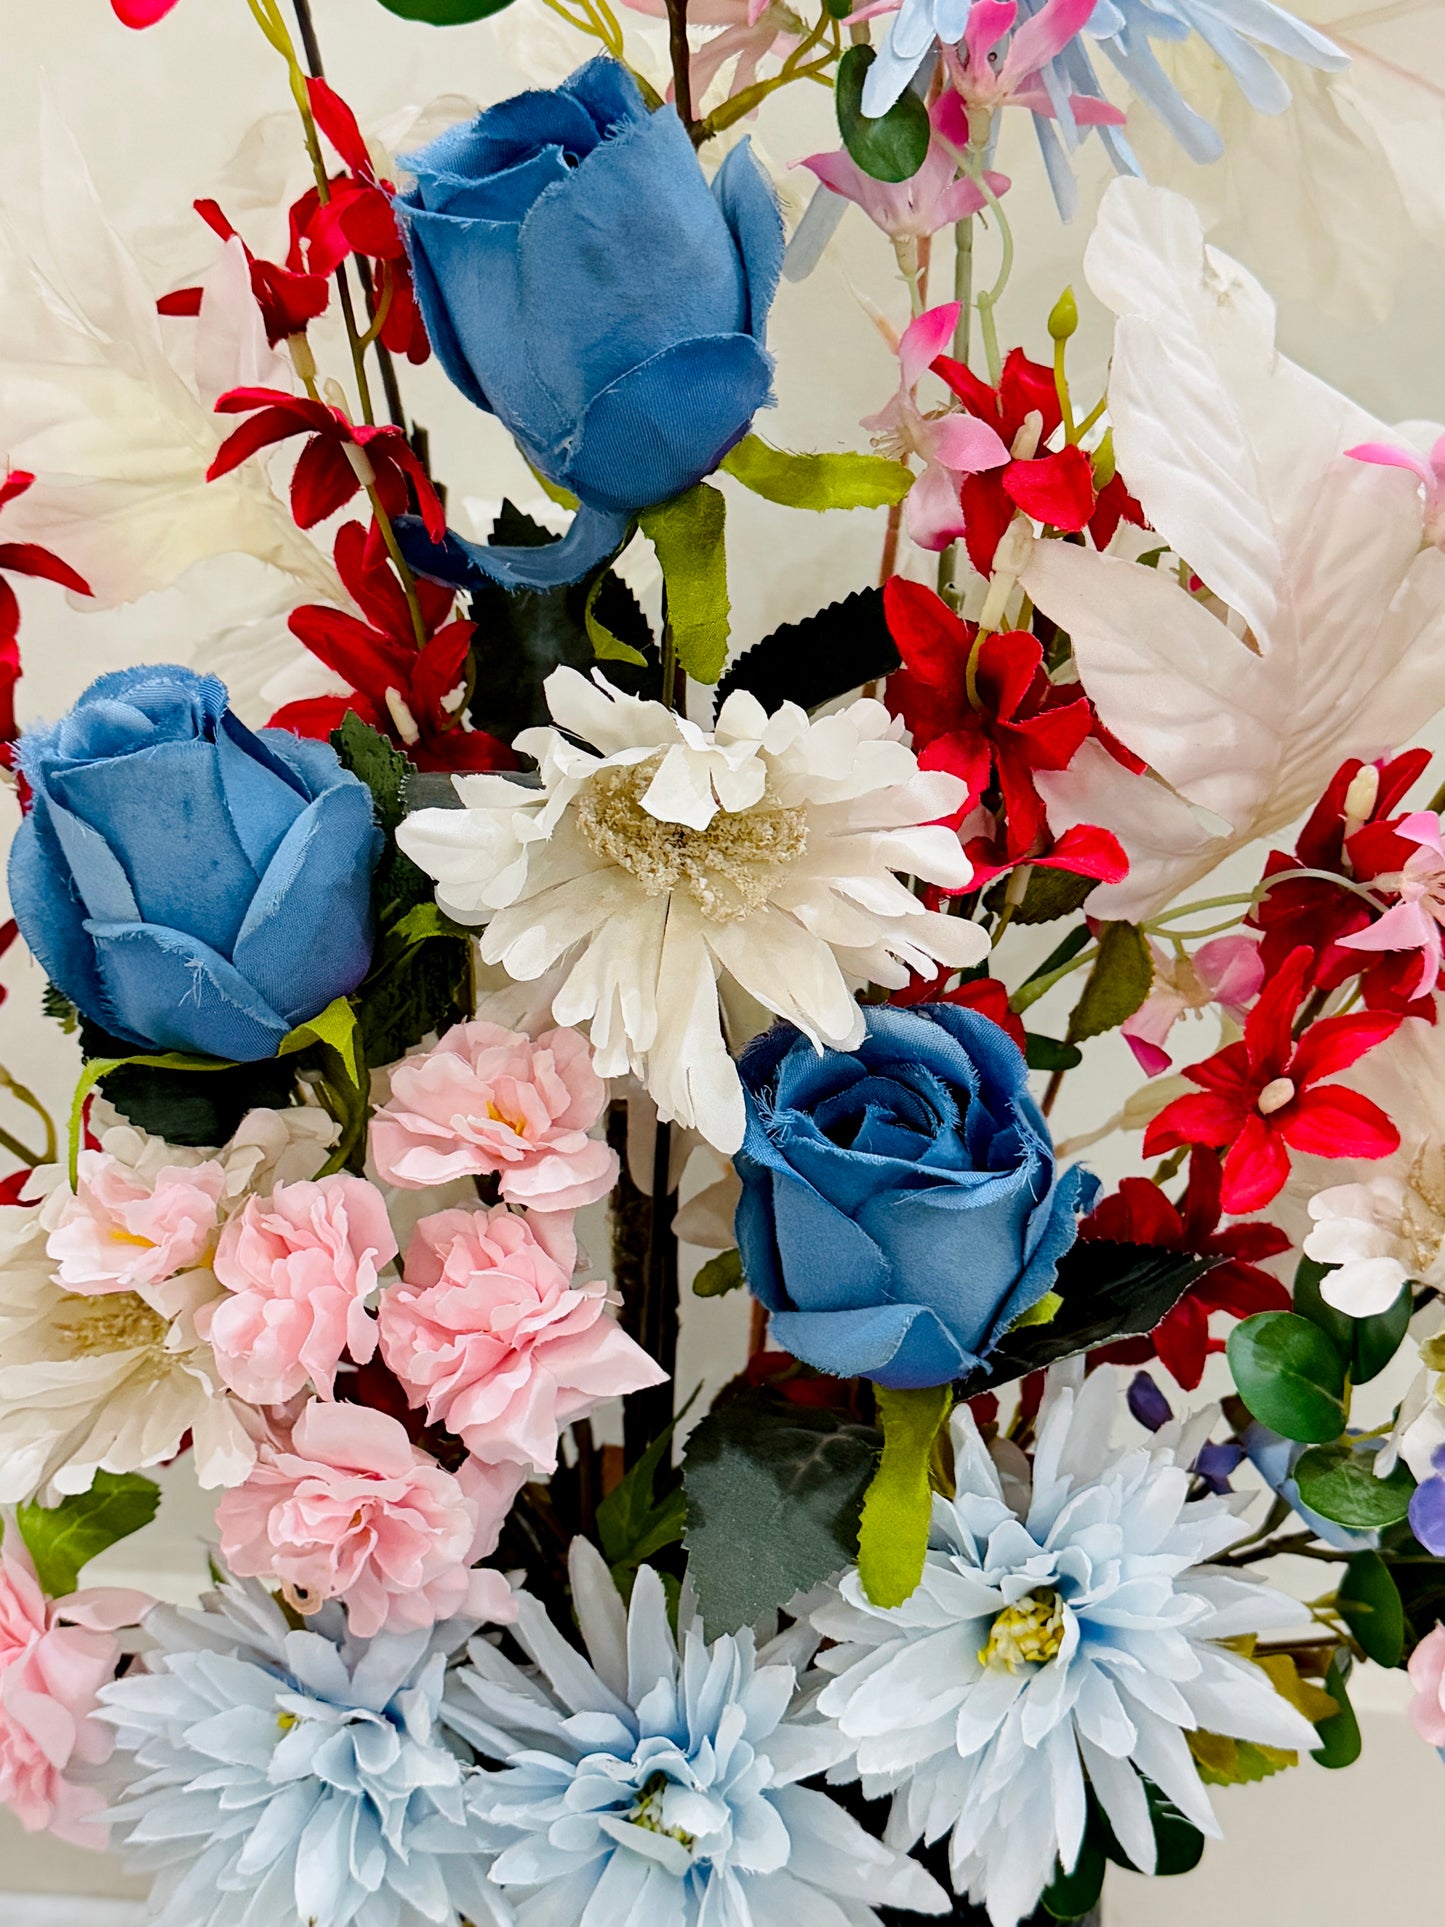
(950, 444)
(910, 210)
(123, 1229)
(347, 1508)
(55, 1655)
(299, 1267)
(489, 1101)
(1226, 972)
(1414, 923)
(1427, 1676)
(986, 84)
(492, 1335)
(1431, 472)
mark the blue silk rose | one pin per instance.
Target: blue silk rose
(186, 883)
(900, 1204)
(581, 281)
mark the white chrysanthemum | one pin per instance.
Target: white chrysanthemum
(661, 1786)
(766, 853)
(1077, 1636)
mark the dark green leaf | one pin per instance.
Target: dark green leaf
(1340, 1484)
(1341, 1735)
(644, 1513)
(1048, 895)
(822, 657)
(1069, 1896)
(1377, 1339)
(720, 1274)
(1369, 1603)
(59, 1009)
(1290, 1376)
(445, 13)
(427, 989)
(891, 148)
(63, 1538)
(1117, 985)
(398, 884)
(186, 1107)
(1048, 1054)
(1109, 1291)
(1337, 1326)
(774, 1491)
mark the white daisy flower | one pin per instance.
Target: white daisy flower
(1063, 1631)
(663, 858)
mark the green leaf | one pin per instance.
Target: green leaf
(1290, 1376)
(773, 1497)
(427, 987)
(1341, 1735)
(335, 1027)
(1228, 1762)
(817, 482)
(1117, 985)
(635, 1521)
(1049, 1054)
(687, 533)
(891, 148)
(99, 1068)
(1048, 895)
(1069, 1896)
(1366, 1344)
(720, 1274)
(1337, 1326)
(1043, 1313)
(63, 1538)
(180, 1106)
(1369, 1603)
(335, 1038)
(605, 646)
(818, 659)
(397, 883)
(893, 1531)
(1340, 1484)
(445, 13)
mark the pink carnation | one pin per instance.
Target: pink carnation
(1427, 1676)
(299, 1267)
(490, 1332)
(485, 1100)
(55, 1655)
(347, 1508)
(122, 1230)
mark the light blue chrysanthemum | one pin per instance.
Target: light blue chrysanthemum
(274, 1776)
(660, 1787)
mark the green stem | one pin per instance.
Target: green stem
(1037, 987)
(26, 1156)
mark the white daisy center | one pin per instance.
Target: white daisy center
(730, 869)
(1029, 1632)
(113, 1321)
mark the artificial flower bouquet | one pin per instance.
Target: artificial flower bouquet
(547, 962)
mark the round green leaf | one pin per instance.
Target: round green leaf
(1290, 1376)
(1341, 1735)
(1378, 1339)
(1340, 1484)
(1069, 1896)
(1337, 1326)
(891, 148)
(1369, 1603)
(445, 13)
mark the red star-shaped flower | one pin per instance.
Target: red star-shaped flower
(287, 300)
(1138, 1213)
(1264, 1096)
(21, 558)
(986, 995)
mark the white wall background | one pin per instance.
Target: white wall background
(1342, 213)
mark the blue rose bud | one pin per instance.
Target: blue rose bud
(900, 1205)
(187, 884)
(581, 281)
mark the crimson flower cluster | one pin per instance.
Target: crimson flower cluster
(21, 558)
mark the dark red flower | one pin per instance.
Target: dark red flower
(287, 300)
(337, 460)
(415, 697)
(1263, 1097)
(1055, 487)
(986, 995)
(1138, 1213)
(21, 558)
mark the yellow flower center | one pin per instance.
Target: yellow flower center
(114, 1321)
(1027, 1633)
(646, 1812)
(730, 869)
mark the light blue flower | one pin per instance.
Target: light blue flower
(660, 1787)
(274, 1776)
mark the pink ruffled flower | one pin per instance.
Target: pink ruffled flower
(1427, 1676)
(1429, 468)
(490, 1332)
(950, 445)
(1414, 922)
(488, 1100)
(123, 1230)
(908, 210)
(298, 1267)
(55, 1655)
(347, 1508)
(1227, 972)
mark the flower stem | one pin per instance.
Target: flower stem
(32, 1102)
(680, 55)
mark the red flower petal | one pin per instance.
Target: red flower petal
(338, 124)
(1332, 1121)
(1181, 1340)
(1055, 489)
(1334, 1043)
(932, 641)
(1256, 1167)
(317, 716)
(323, 482)
(1138, 1213)
(366, 660)
(987, 512)
(1004, 671)
(975, 394)
(1206, 1119)
(1087, 851)
(1267, 1038)
(28, 558)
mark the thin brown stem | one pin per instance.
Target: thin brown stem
(681, 56)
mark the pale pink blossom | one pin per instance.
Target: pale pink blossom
(492, 1335)
(485, 1100)
(346, 1507)
(752, 29)
(298, 1267)
(985, 84)
(1427, 1676)
(912, 209)
(950, 444)
(1429, 468)
(1226, 972)
(55, 1655)
(1414, 922)
(124, 1229)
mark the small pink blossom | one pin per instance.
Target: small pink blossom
(55, 1655)
(298, 1267)
(1227, 972)
(985, 84)
(1414, 922)
(912, 209)
(123, 1230)
(1427, 1676)
(752, 29)
(489, 1100)
(347, 1508)
(1429, 468)
(490, 1332)
(950, 444)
